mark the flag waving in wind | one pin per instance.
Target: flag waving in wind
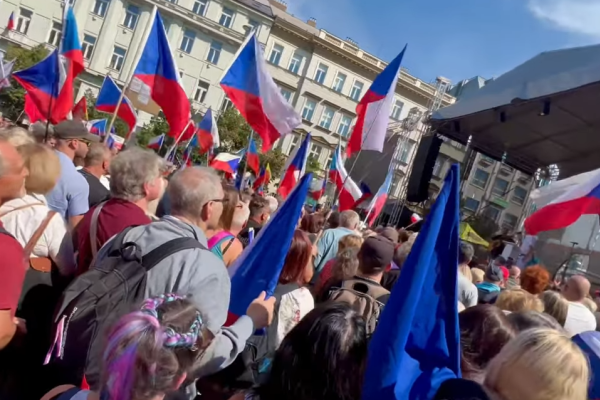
(380, 198)
(11, 22)
(416, 345)
(348, 191)
(294, 168)
(252, 90)
(107, 101)
(258, 268)
(263, 178)
(208, 133)
(156, 83)
(374, 109)
(226, 162)
(80, 109)
(252, 157)
(156, 142)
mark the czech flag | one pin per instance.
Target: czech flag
(258, 268)
(264, 177)
(319, 193)
(294, 168)
(41, 81)
(97, 126)
(380, 199)
(80, 110)
(187, 156)
(156, 83)
(208, 133)
(252, 90)
(32, 111)
(107, 101)
(115, 142)
(374, 109)
(580, 197)
(11, 22)
(349, 192)
(252, 158)
(156, 142)
(226, 162)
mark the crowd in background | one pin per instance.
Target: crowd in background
(309, 341)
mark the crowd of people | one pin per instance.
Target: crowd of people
(115, 286)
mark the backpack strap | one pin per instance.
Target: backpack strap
(38, 234)
(169, 248)
(94, 229)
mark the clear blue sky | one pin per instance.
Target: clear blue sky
(457, 39)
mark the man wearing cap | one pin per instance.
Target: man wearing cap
(70, 195)
(489, 289)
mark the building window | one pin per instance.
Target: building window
(200, 7)
(87, 46)
(309, 109)
(338, 84)
(201, 90)
(24, 20)
(471, 204)
(276, 52)
(226, 105)
(131, 16)
(287, 94)
(356, 91)
(214, 53)
(519, 195)
(509, 221)
(344, 125)
(480, 178)
(492, 212)
(321, 73)
(437, 167)
(293, 144)
(295, 63)
(116, 61)
(100, 7)
(406, 151)
(315, 151)
(187, 42)
(55, 34)
(172, 1)
(254, 24)
(397, 109)
(500, 187)
(226, 17)
(327, 117)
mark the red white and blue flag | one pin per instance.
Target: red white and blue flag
(263, 179)
(226, 162)
(374, 109)
(11, 22)
(156, 83)
(69, 67)
(156, 142)
(98, 126)
(80, 110)
(258, 268)
(208, 133)
(252, 158)
(115, 142)
(378, 202)
(319, 193)
(107, 101)
(252, 90)
(349, 192)
(580, 197)
(294, 168)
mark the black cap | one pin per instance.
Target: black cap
(71, 129)
(376, 254)
(494, 274)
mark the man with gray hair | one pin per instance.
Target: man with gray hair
(197, 197)
(136, 180)
(95, 167)
(273, 203)
(327, 246)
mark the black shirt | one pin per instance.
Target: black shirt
(98, 192)
(244, 235)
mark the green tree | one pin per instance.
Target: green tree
(276, 160)
(120, 126)
(12, 99)
(312, 164)
(234, 131)
(157, 126)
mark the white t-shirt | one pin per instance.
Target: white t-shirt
(467, 291)
(579, 319)
(294, 306)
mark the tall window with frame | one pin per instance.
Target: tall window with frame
(201, 91)
(132, 14)
(492, 212)
(117, 59)
(226, 17)
(276, 52)
(437, 167)
(339, 82)
(500, 187)
(254, 25)
(407, 148)
(519, 195)
(344, 125)
(200, 7)
(309, 109)
(321, 73)
(226, 104)
(24, 20)
(187, 42)
(315, 151)
(214, 53)
(471, 204)
(356, 91)
(295, 63)
(287, 94)
(509, 221)
(293, 144)
(327, 117)
(87, 46)
(55, 34)
(101, 7)
(480, 178)
(397, 109)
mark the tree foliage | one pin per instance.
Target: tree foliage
(12, 99)
(312, 164)
(234, 131)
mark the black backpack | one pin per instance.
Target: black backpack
(96, 299)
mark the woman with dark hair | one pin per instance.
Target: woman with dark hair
(484, 330)
(312, 224)
(322, 358)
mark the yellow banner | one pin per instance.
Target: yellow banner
(469, 235)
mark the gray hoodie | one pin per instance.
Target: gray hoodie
(203, 277)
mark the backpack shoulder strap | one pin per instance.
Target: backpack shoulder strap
(38, 234)
(94, 228)
(169, 248)
(377, 291)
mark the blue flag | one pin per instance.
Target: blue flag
(416, 344)
(258, 268)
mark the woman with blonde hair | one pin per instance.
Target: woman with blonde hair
(555, 305)
(345, 243)
(516, 300)
(477, 275)
(539, 364)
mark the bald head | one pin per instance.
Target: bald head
(576, 288)
(515, 272)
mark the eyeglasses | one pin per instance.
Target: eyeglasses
(223, 201)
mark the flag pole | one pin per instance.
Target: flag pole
(178, 140)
